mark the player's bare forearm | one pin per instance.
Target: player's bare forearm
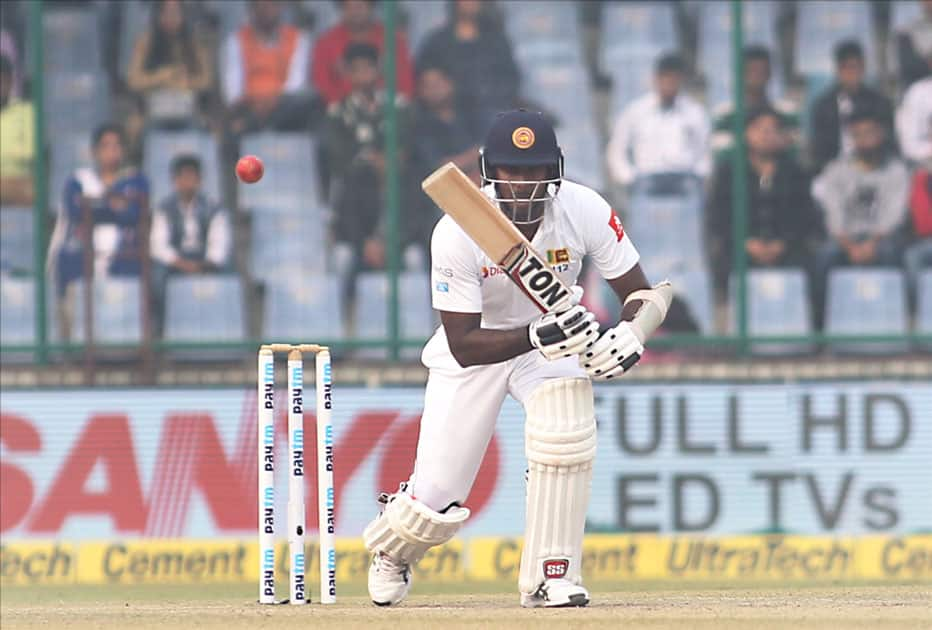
(625, 285)
(471, 344)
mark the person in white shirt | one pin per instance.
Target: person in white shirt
(914, 131)
(493, 342)
(914, 123)
(664, 131)
(190, 234)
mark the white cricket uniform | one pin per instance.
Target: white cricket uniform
(461, 404)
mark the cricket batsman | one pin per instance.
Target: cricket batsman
(494, 341)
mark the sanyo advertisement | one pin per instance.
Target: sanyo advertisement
(826, 458)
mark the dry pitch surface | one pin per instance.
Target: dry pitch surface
(657, 607)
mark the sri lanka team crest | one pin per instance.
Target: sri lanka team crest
(523, 138)
(558, 259)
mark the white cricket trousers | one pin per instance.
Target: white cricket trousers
(461, 406)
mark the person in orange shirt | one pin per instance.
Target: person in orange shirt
(265, 70)
(358, 25)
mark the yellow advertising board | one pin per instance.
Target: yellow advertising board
(605, 557)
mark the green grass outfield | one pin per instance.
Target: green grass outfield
(657, 606)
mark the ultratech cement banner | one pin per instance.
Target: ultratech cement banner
(833, 459)
(606, 557)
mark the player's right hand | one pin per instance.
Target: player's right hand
(565, 334)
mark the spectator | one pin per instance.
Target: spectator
(441, 135)
(864, 197)
(829, 136)
(265, 72)
(104, 205)
(757, 73)
(914, 124)
(474, 51)
(663, 131)
(17, 146)
(358, 25)
(780, 215)
(170, 70)
(919, 253)
(190, 233)
(914, 48)
(355, 141)
(8, 50)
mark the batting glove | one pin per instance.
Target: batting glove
(559, 335)
(613, 354)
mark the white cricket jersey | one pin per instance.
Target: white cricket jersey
(578, 223)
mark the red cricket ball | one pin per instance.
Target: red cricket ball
(249, 169)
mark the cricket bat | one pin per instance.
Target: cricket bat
(498, 237)
(491, 230)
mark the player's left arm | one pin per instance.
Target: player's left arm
(626, 284)
(644, 307)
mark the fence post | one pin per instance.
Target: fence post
(739, 189)
(392, 179)
(34, 45)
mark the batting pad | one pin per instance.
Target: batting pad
(560, 441)
(407, 528)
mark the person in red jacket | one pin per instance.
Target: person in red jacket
(358, 25)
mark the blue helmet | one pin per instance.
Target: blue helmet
(522, 138)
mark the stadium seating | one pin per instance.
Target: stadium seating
(548, 50)
(204, 308)
(302, 306)
(715, 46)
(17, 311)
(821, 24)
(281, 239)
(232, 14)
(290, 183)
(423, 16)
(694, 286)
(326, 14)
(531, 23)
(73, 40)
(416, 315)
(634, 35)
(580, 143)
(73, 101)
(924, 306)
(866, 301)
(117, 311)
(16, 242)
(665, 222)
(903, 13)
(777, 304)
(161, 147)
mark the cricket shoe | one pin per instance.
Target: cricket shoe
(389, 580)
(556, 593)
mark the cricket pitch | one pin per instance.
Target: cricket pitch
(628, 606)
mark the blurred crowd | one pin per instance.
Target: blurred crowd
(837, 166)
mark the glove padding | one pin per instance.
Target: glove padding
(559, 335)
(613, 354)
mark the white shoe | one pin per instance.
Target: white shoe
(556, 593)
(389, 581)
